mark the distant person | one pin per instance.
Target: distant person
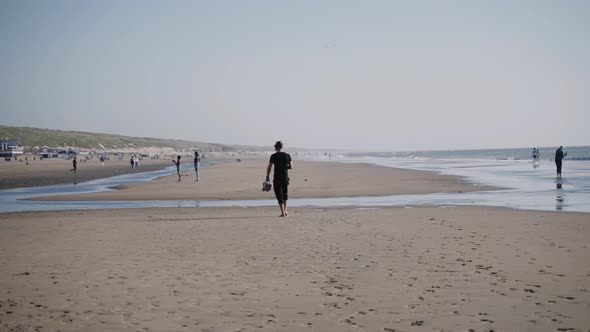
(536, 158)
(282, 163)
(559, 155)
(74, 165)
(132, 162)
(197, 164)
(177, 163)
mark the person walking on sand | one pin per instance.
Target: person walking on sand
(197, 164)
(177, 163)
(282, 163)
(74, 165)
(559, 155)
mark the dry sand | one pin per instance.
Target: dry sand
(47, 172)
(238, 269)
(233, 180)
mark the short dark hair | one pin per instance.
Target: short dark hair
(278, 145)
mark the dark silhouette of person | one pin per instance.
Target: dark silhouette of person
(74, 165)
(559, 155)
(282, 163)
(177, 163)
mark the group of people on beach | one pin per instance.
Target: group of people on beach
(134, 161)
(196, 165)
(536, 157)
(559, 155)
(282, 163)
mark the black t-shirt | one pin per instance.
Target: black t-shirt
(558, 155)
(281, 160)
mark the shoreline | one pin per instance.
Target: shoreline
(310, 179)
(43, 173)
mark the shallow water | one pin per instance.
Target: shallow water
(529, 187)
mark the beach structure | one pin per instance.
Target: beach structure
(49, 152)
(10, 148)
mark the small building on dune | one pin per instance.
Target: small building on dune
(10, 148)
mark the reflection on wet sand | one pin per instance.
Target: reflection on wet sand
(560, 198)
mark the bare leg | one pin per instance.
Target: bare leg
(282, 210)
(285, 208)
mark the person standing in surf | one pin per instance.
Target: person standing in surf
(282, 163)
(559, 155)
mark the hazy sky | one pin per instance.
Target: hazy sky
(373, 75)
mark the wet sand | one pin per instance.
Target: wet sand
(48, 172)
(233, 180)
(346, 269)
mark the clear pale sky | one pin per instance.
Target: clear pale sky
(371, 75)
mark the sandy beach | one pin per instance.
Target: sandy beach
(47, 172)
(336, 269)
(243, 180)
(440, 179)
(236, 269)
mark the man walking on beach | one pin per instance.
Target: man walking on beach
(177, 163)
(559, 154)
(282, 162)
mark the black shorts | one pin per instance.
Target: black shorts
(281, 188)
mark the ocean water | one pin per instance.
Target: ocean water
(581, 153)
(525, 186)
